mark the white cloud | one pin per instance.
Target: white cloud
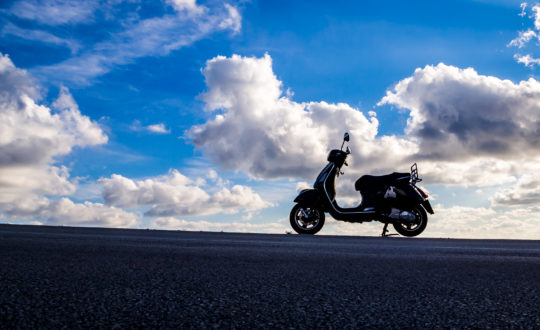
(536, 10)
(465, 128)
(158, 128)
(528, 60)
(154, 128)
(32, 136)
(470, 222)
(15, 84)
(41, 36)
(302, 185)
(66, 212)
(523, 7)
(526, 191)
(88, 214)
(267, 135)
(136, 38)
(190, 6)
(55, 12)
(233, 21)
(176, 195)
(480, 171)
(460, 222)
(523, 38)
(17, 182)
(170, 223)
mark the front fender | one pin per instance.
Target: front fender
(308, 197)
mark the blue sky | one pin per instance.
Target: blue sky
(209, 115)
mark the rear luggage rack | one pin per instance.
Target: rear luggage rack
(414, 174)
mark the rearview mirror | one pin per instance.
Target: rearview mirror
(346, 137)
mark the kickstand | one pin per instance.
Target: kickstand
(385, 231)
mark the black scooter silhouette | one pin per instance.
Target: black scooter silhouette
(391, 199)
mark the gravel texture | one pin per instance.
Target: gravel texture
(61, 277)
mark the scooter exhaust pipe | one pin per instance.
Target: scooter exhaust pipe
(402, 216)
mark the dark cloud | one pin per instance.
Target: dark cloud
(468, 115)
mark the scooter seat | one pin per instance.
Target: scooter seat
(371, 181)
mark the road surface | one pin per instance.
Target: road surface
(61, 277)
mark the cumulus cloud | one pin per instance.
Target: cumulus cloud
(32, 138)
(264, 133)
(15, 83)
(176, 195)
(32, 135)
(470, 129)
(40, 179)
(464, 128)
(66, 212)
(458, 114)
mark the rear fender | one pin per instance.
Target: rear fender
(427, 205)
(409, 195)
(407, 192)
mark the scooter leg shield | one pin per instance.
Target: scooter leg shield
(308, 197)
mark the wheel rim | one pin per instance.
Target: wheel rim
(307, 222)
(419, 219)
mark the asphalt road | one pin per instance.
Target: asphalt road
(59, 277)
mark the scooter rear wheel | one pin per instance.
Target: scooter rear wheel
(306, 220)
(416, 228)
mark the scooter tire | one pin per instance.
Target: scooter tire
(312, 225)
(419, 227)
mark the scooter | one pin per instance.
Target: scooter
(391, 199)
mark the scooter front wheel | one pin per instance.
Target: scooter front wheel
(306, 220)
